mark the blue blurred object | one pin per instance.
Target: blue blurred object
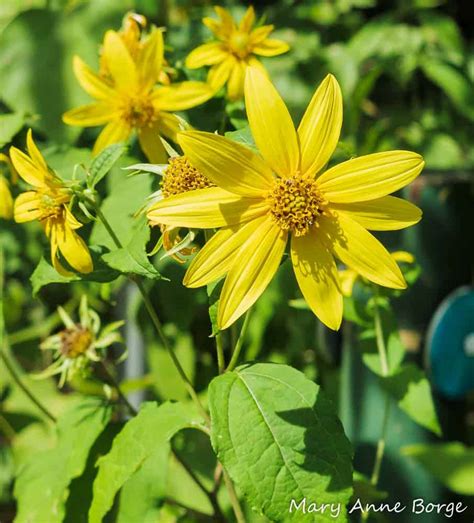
(450, 344)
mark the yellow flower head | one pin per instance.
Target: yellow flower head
(234, 50)
(130, 100)
(180, 177)
(286, 191)
(348, 277)
(48, 203)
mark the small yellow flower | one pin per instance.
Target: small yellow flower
(48, 203)
(286, 190)
(348, 277)
(130, 100)
(6, 198)
(234, 51)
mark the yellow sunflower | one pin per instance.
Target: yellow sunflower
(263, 199)
(234, 50)
(131, 100)
(48, 203)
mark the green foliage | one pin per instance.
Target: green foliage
(450, 463)
(279, 438)
(103, 163)
(41, 489)
(145, 437)
(10, 125)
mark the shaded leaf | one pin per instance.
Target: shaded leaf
(10, 125)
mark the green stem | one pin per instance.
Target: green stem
(112, 381)
(382, 350)
(220, 353)
(155, 319)
(10, 366)
(234, 500)
(238, 345)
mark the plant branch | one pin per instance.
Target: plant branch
(234, 500)
(238, 345)
(112, 381)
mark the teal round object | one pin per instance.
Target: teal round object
(450, 345)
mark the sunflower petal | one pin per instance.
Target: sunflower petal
(206, 209)
(320, 127)
(27, 207)
(181, 96)
(317, 277)
(271, 124)
(370, 177)
(206, 54)
(219, 73)
(228, 164)
(247, 20)
(34, 152)
(246, 281)
(6, 200)
(114, 132)
(382, 214)
(219, 253)
(360, 251)
(169, 125)
(235, 86)
(150, 59)
(27, 169)
(97, 113)
(227, 22)
(73, 248)
(259, 34)
(93, 84)
(271, 47)
(151, 144)
(120, 63)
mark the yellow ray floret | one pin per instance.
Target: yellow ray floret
(284, 191)
(48, 202)
(236, 48)
(128, 98)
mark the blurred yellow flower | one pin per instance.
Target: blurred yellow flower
(131, 100)
(48, 203)
(348, 277)
(6, 198)
(234, 51)
(286, 189)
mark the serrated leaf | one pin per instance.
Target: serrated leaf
(45, 273)
(280, 440)
(103, 163)
(410, 387)
(10, 125)
(139, 440)
(450, 463)
(42, 485)
(133, 259)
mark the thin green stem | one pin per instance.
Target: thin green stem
(382, 350)
(239, 344)
(4, 356)
(220, 353)
(115, 384)
(234, 500)
(155, 319)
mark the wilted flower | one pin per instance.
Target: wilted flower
(79, 344)
(286, 190)
(234, 50)
(128, 99)
(348, 277)
(48, 203)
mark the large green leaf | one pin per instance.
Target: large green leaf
(10, 124)
(451, 463)
(41, 488)
(280, 440)
(410, 387)
(140, 440)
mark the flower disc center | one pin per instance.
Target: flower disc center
(295, 204)
(239, 44)
(139, 112)
(75, 341)
(180, 177)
